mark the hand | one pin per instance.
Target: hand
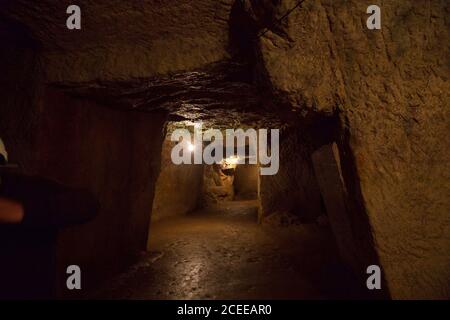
(11, 211)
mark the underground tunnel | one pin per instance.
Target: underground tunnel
(88, 119)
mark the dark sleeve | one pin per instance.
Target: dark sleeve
(47, 203)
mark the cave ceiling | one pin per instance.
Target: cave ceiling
(220, 95)
(180, 50)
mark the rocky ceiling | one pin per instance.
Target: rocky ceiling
(142, 22)
(221, 95)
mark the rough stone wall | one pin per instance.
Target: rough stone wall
(217, 186)
(294, 188)
(246, 179)
(114, 154)
(392, 90)
(178, 187)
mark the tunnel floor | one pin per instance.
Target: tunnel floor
(223, 253)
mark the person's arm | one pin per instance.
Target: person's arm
(45, 203)
(10, 211)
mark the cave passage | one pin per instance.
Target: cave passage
(210, 238)
(190, 231)
(91, 91)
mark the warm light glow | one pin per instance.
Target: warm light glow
(232, 160)
(230, 163)
(191, 147)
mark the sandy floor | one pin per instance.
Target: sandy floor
(224, 254)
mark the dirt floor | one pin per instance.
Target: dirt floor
(223, 253)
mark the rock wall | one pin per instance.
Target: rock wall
(294, 189)
(114, 154)
(178, 187)
(391, 88)
(217, 186)
(246, 180)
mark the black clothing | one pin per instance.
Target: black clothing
(28, 249)
(47, 203)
